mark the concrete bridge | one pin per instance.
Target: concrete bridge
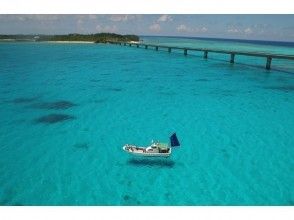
(268, 56)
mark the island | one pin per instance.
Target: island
(94, 38)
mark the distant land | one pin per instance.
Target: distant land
(97, 38)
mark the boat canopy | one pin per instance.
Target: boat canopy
(174, 142)
(162, 145)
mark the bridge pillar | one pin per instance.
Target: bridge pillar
(156, 48)
(205, 54)
(268, 63)
(169, 49)
(232, 58)
(185, 52)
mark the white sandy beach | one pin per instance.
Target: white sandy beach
(57, 42)
(133, 42)
(5, 40)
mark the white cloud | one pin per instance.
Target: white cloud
(165, 18)
(184, 28)
(248, 31)
(106, 28)
(120, 18)
(155, 27)
(258, 26)
(204, 29)
(233, 30)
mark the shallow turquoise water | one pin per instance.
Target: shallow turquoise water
(67, 110)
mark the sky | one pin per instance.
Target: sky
(250, 27)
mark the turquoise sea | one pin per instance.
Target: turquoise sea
(66, 110)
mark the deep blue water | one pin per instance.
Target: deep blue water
(66, 110)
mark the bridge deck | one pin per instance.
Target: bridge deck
(268, 56)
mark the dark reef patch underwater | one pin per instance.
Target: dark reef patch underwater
(54, 118)
(84, 146)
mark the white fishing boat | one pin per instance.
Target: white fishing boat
(156, 149)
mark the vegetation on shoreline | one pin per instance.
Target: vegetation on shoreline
(97, 38)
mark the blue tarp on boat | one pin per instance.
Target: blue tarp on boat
(174, 142)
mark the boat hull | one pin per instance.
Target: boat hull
(146, 154)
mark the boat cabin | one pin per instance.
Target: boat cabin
(158, 148)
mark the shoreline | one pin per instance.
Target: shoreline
(5, 40)
(58, 41)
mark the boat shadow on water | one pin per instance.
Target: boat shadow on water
(152, 162)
